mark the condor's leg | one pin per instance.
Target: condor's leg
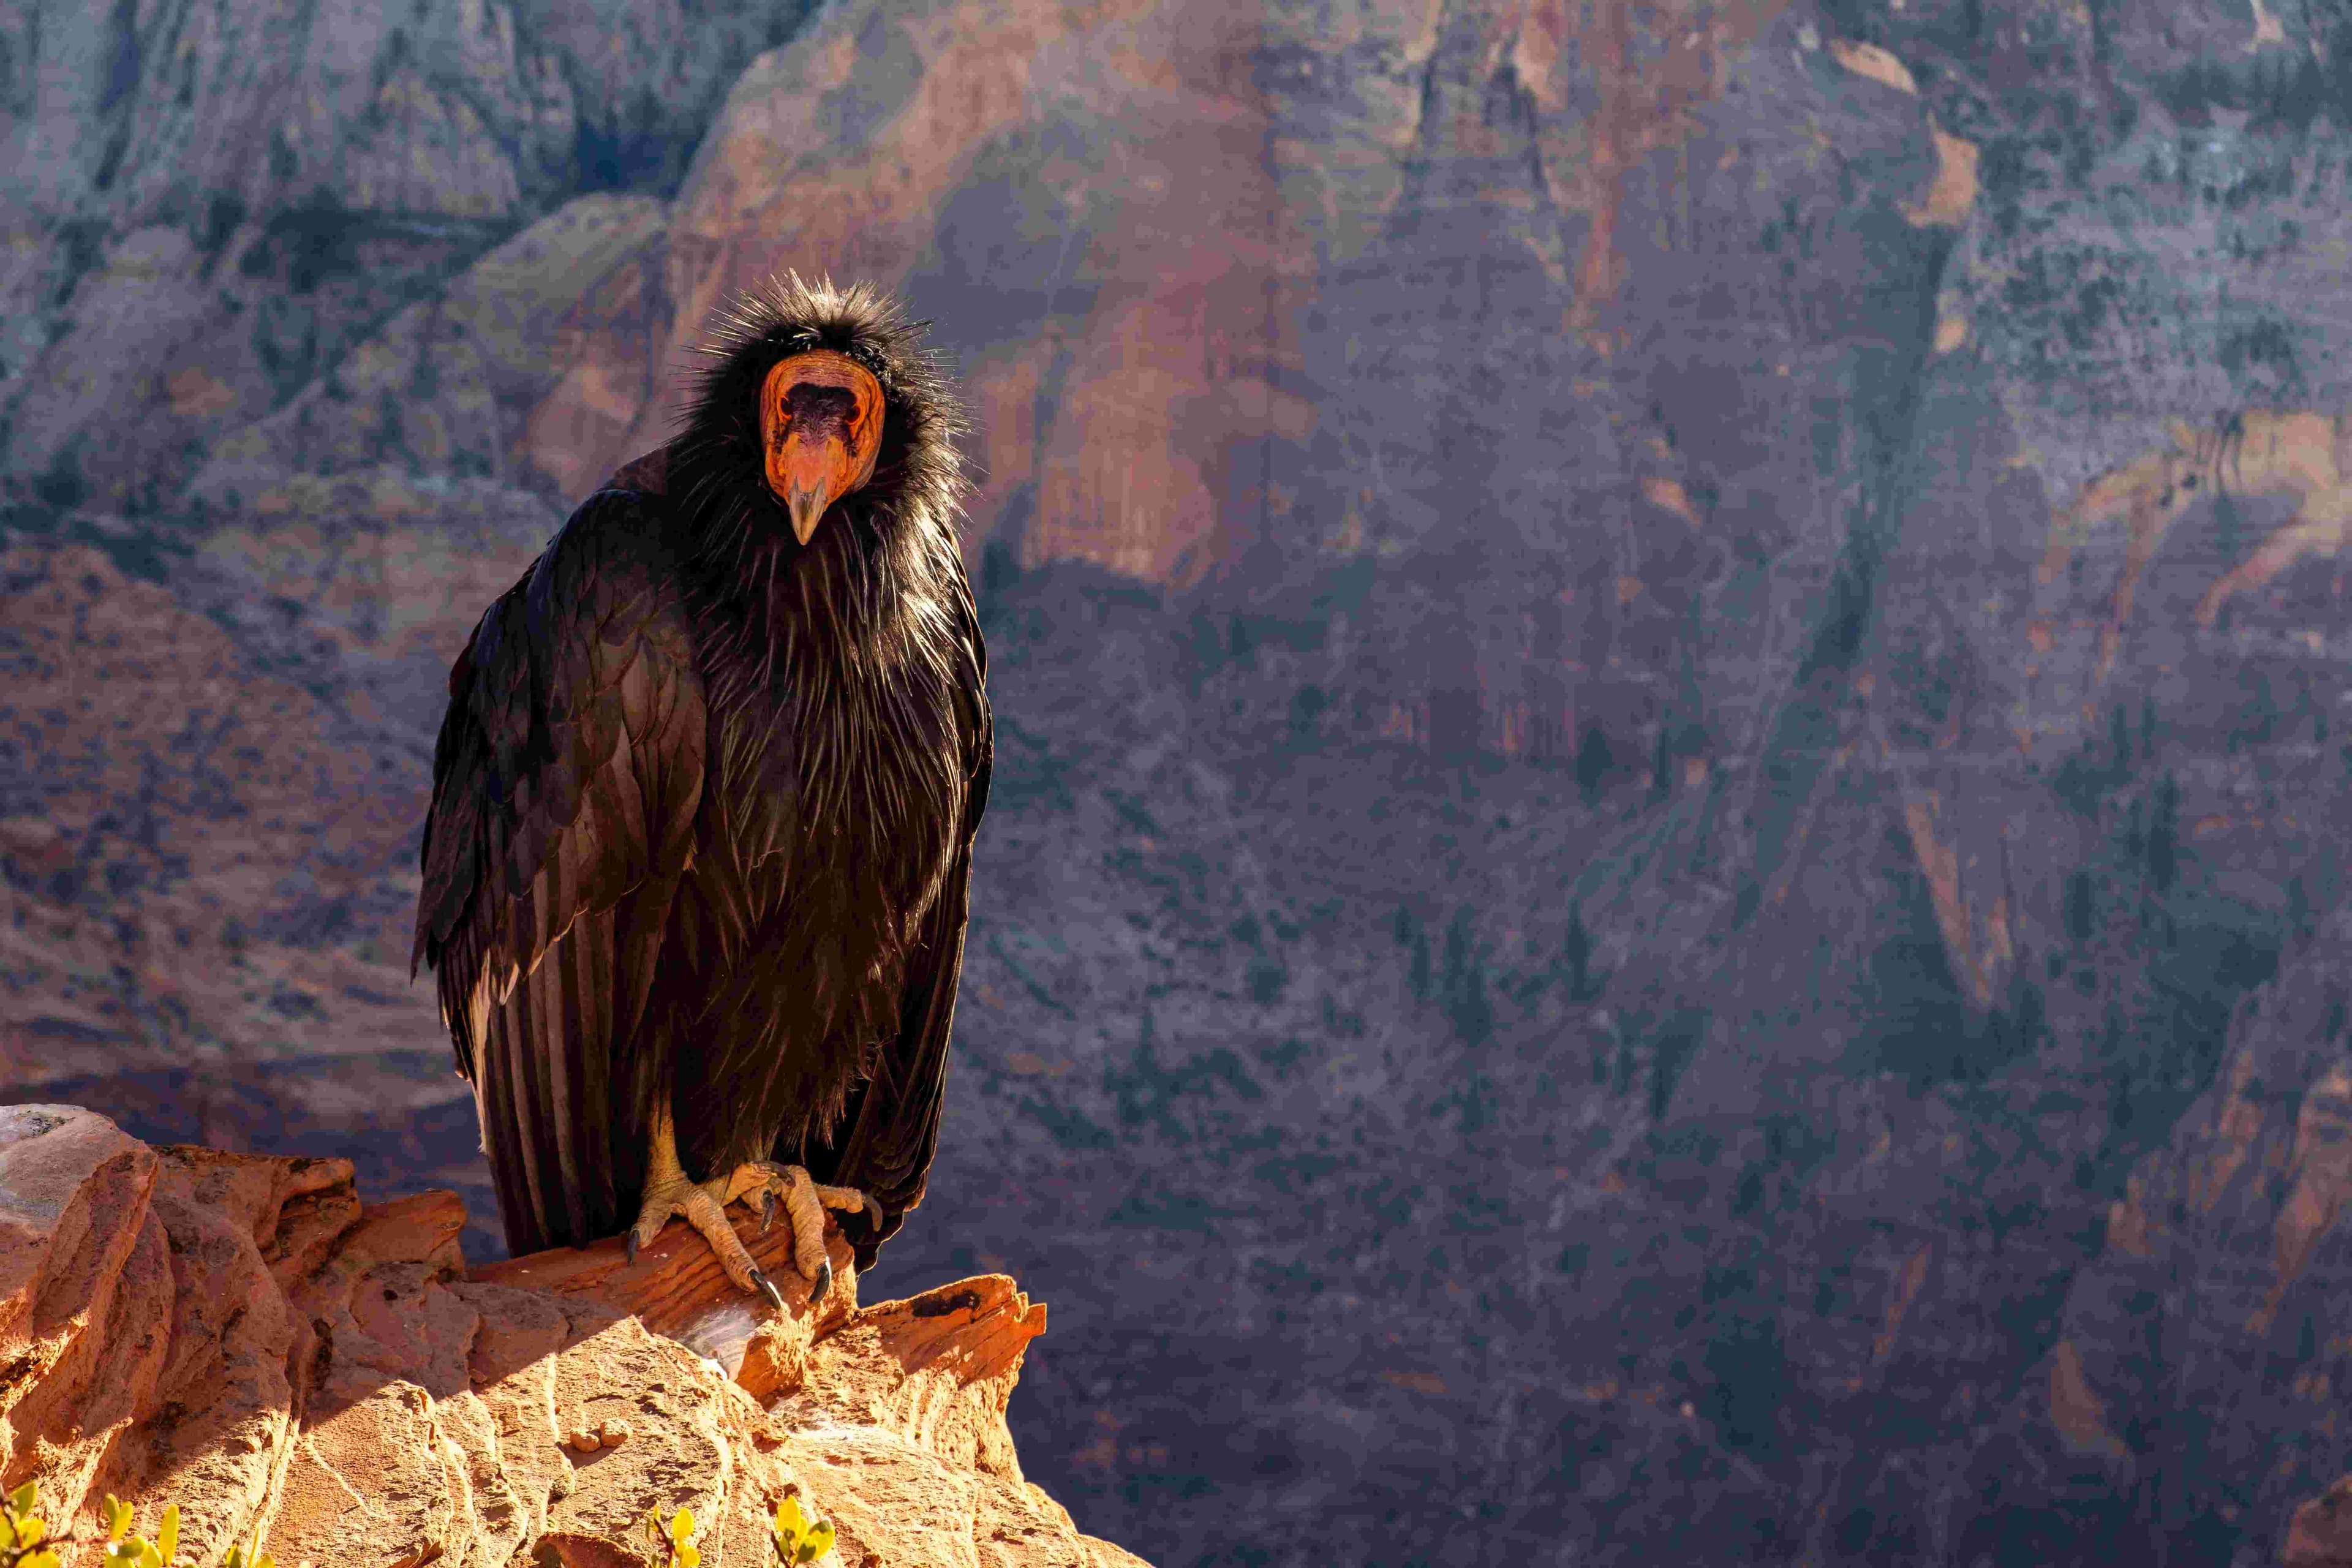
(703, 1205)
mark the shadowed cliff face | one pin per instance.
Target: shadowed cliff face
(1667, 880)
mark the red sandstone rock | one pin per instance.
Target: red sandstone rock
(2320, 1535)
(240, 1336)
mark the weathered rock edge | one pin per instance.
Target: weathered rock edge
(241, 1336)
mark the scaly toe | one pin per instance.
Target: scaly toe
(802, 1202)
(662, 1199)
(704, 1213)
(850, 1200)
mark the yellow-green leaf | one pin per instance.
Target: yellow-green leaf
(682, 1526)
(31, 1532)
(118, 1517)
(167, 1541)
(235, 1558)
(25, 1497)
(7, 1530)
(687, 1556)
(43, 1559)
(148, 1556)
(788, 1517)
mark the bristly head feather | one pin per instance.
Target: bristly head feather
(911, 504)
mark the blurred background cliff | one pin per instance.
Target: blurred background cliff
(1668, 880)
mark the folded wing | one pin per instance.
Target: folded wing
(565, 783)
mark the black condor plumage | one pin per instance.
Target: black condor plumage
(703, 803)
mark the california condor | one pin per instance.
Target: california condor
(697, 861)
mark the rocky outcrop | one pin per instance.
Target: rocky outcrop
(2225, 1284)
(243, 1338)
(428, 392)
(2320, 1535)
(205, 209)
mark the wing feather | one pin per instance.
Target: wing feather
(566, 780)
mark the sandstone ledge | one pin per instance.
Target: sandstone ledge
(241, 1336)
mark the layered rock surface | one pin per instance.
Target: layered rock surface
(242, 1337)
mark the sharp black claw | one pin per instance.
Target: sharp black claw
(767, 1209)
(630, 1244)
(823, 1282)
(873, 1213)
(768, 1288)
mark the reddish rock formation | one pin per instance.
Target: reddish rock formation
(243, 1337)
(2320, 1535)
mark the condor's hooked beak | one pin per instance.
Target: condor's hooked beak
(820, 429)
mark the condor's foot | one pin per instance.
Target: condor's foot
(703, 1205)
(804, 1202)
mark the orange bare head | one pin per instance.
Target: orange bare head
(820, 429)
